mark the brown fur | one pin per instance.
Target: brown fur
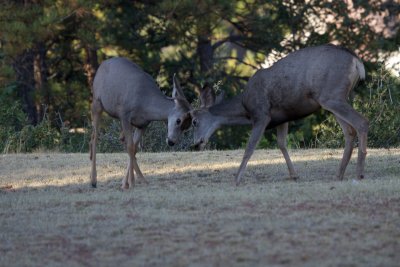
(126, 92)
(294, 87)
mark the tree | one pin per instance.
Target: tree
(50, 50)
(228, 40)
(53, 47)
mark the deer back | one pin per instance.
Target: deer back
(293, 87)
(122, 86)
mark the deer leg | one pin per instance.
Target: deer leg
(345, 112)
(362, 154)
(122, 137)
(256, 134)
(96, 110)
(129, 180)
(282, 131)
(136, 140)
(349, 136)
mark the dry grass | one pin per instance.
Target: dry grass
(192, 214)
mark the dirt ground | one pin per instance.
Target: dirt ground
(192, 214)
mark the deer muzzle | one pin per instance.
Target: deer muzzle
(200, 145)
(170, 142)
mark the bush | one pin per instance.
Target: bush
(381, 105)
(31, 138)
(12, 120)
(74, 140)
(109, 136)
(153, 139)
(40, 137)
(16, 135)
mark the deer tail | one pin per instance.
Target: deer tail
(360, 69)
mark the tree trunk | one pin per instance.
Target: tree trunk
(23, 67)
(206, 55)
(43, 101)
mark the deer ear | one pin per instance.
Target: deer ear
(178, 96)
(207, 96)
(183, 104)
(177, 90)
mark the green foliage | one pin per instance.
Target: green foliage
(40, 137)
(30, 138)
(17, 135)
(382, 108)
(109, 137)
(212, 40)
(11, 115)
(12, 121)
(73, 140)
(153, 140)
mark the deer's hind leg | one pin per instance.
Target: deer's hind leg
(282, 132)
(96, 111)
(129, 180)
(349, 136)
(136, 140)
(345, 112)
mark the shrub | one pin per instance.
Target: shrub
(12, 120)
(109, 136)
(31, 138)
(16, 135)
(153, 139)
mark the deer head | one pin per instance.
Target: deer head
(203, 121)
(179, 119)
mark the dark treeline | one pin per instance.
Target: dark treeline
(50, 50)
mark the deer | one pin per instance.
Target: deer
(294, 87)
(127, 93)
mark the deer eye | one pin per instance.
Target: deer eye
(194, 122)
(178, 121)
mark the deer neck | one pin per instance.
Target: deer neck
(159, 108)
(231, 112)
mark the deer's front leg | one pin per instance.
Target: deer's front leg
(282, 131)
(129, 180)
(256, 134)
(136, 140)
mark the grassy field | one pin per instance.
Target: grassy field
(191, 214)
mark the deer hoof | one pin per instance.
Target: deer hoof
(295, 178)
(94, 185)
(339, 178)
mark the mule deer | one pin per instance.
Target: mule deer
(123, 90)
(294, 87)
